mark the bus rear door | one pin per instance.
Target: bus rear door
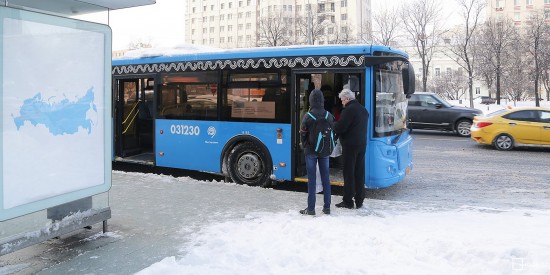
(134, 120)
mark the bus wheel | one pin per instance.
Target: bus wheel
(249, 164)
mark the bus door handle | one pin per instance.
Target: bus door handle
(512, 124)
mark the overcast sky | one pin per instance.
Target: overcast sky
(163, 23)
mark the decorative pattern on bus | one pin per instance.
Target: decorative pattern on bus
(320, 61)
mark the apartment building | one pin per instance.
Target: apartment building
(517, 10)
(235, 24)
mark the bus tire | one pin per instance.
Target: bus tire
(249, 164)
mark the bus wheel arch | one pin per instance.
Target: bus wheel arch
(247, 161)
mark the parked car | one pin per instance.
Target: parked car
(429, 111)
(508, 128)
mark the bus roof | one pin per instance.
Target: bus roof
(195, 53)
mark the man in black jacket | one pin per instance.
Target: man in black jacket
(352, 132)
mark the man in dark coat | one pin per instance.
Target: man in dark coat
(352, 131)
(317, 110)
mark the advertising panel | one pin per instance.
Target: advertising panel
(55, 111)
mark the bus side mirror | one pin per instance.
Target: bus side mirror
(408, 80)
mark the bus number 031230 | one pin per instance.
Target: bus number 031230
(187, 130)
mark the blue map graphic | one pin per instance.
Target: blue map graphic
(60, 118)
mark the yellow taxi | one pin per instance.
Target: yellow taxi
(511, 127)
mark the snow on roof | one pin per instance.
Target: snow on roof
(169, 51)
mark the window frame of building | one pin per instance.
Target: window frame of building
(529, 2)
(344, 3)
(437, 72)
(343, 16)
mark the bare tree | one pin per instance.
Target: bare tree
(450, 85)
(496, 40)
(422, 25)
(546, 77)
(273, 30)
(139, 44)
(311, 27)
(536, 35)
(365, 33)
(387, 24)
(342, 34)
(515, 78)
(463, 44)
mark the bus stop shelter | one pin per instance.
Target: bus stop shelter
(55, 104)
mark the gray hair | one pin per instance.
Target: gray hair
(347, 93)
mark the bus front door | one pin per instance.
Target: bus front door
(301, 95)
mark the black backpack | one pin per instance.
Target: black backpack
(321, 136)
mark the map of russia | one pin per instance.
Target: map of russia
(64, 117)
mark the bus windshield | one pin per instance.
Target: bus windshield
(391, 103)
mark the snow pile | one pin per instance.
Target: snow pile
(489, 108)
(464, 241)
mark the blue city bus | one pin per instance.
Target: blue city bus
(237, 112)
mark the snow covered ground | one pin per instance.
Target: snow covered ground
(381, 238)
(166, 225)
(494, 107)
(390, 239)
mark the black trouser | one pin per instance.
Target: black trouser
(354, 173)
